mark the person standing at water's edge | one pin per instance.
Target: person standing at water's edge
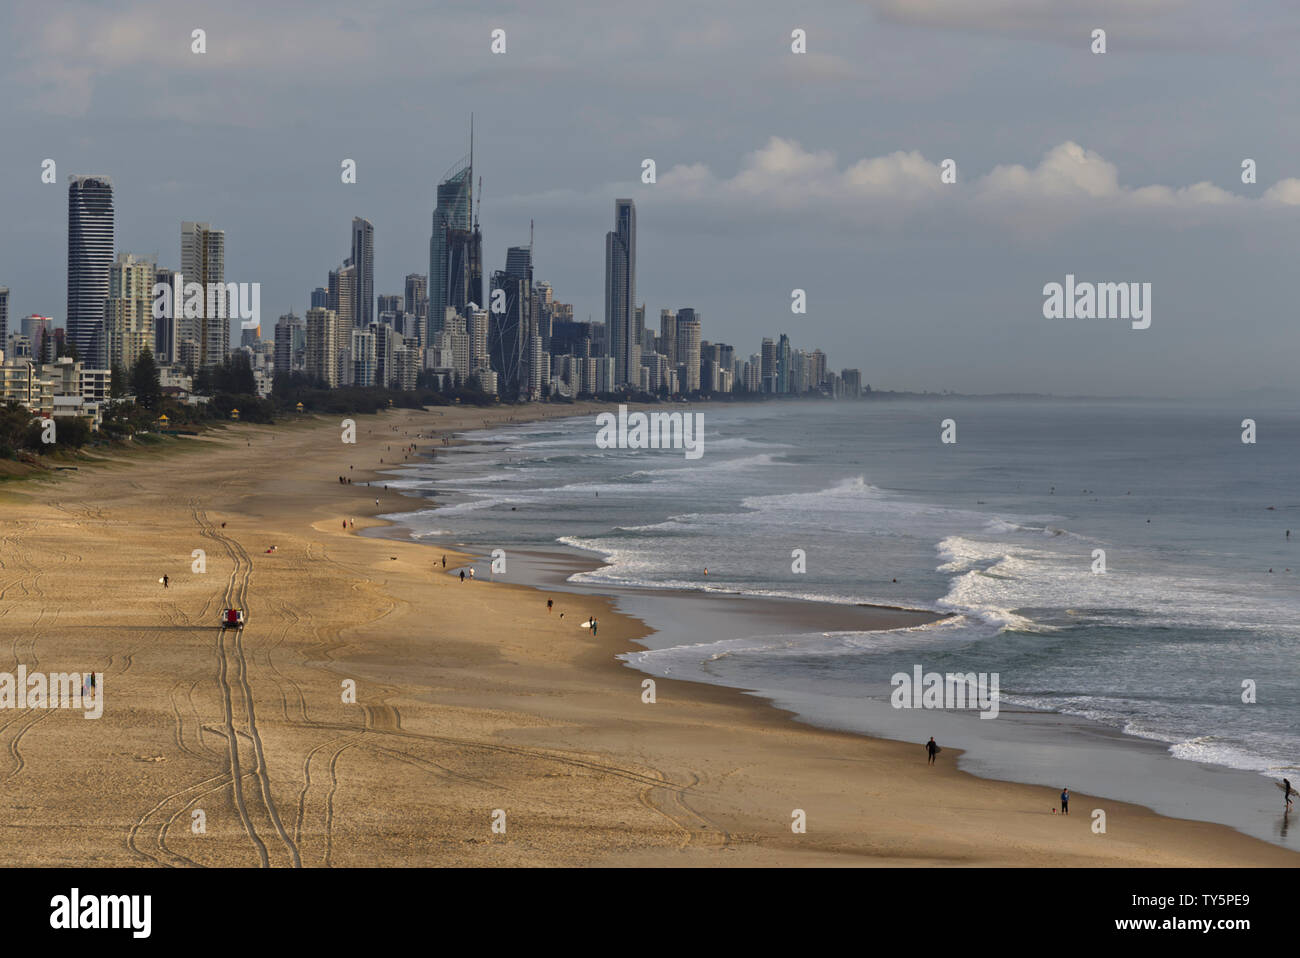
(1287, 792)
(931, 749)
(1065, 801)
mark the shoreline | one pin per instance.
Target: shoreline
(467, 700)
(548, 571)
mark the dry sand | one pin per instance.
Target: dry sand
(470, 698)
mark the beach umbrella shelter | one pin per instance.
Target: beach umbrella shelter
(299, 407)
(234, 414)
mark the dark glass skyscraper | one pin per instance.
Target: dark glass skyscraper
(90, 254)
(455, 246)
(620, 289)
(510, 333)
(363, 258)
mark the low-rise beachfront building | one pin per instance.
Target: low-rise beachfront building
(71, 378)
(76, 407)
(21, 382)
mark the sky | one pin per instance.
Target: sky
(775, 170)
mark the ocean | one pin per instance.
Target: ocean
(1127, 683)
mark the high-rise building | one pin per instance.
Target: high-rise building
(322, 346)
(390, 303)
(688, 348)
(90, 254)
(417, 304)
(767, 367)
(164, 325)
(289, 333)
(509, 348)
(4, 314)
(818, 368)
(783, 359)
(128, 310)
(42, 338)
(363, 259)
(668, 334)
(477, 325)
(203, 261)
(620, 287)
(386, 343)
(320, 298)
(455, 244)
(342, 293)
(362, 356)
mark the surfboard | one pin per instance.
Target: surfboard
(1283, 788)
(584, 625)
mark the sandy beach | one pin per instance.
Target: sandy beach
(473, 703)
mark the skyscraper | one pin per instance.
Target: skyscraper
(203, 261)
(455, 245)
(417, 302)
(620, 286)
(363, 258)
(342, 293)
(767, 367)
(4, 315)
(783, 358)
(322, 346)
(511, 332)
(668, 334)
(128, 310)
(90, 254)
(290, 332)
(688, 348)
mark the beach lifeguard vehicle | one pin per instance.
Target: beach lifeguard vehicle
(232, 619)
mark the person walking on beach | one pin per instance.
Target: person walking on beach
(471, 572)
(593, 625)
(931, 749)
(549, 603)
(164, 580)
(462, 575)
(1065, 801)
(1288, 791)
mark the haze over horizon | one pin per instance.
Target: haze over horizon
(776, 170)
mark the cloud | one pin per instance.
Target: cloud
(783, 185)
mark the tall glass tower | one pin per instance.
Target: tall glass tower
(454, 266)
(90, 254)
(620, 289)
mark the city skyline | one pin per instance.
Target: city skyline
(921, 284)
